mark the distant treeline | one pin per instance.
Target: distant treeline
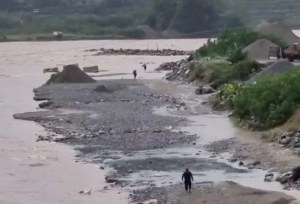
(116, 17)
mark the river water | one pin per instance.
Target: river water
(41, 172)
(45, 172)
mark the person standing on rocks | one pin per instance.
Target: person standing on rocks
(145, 67)
(187, 177)
(134, 74)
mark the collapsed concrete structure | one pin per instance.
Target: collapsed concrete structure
(70, 74)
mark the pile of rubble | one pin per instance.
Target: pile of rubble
(290, 139)
(168, 66)
(179, 71)
(149, 52)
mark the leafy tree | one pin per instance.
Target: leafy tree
(163, 12)
(195, 15)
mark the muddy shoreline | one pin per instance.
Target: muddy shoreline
(116, 128)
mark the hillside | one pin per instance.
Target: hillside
(96, 19)
(259, 11)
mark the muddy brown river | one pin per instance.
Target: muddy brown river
(45, 172)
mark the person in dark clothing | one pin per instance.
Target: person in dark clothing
(187, 177)
(145, 67)
(134, 74)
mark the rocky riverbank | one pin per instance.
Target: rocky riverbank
(146, 52)
(113, 125)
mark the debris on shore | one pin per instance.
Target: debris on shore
(147, 52)
(290, 139)
(49, 70)
(179, 71)
(168, 66)
(70, 74)
(91, 69)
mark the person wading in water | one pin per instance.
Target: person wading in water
(145, 67)
(134, 74)
(187, 177)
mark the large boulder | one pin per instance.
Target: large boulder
(296, 174)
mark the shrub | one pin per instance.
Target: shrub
(220, 73)
(224, 98)
(271, 101)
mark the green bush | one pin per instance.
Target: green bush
(220, 73)
(271, 101)
(224, 98)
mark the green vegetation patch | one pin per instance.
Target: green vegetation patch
(218, 73)
(271, 101)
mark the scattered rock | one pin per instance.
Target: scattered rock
(45, 104)
(89, 192)
(296, 173)
(44, 138)
(268, 179)
(284, 178)
(204, 90)
(251, 167)
(241, 163)
(111, 180)
(101, 89)
(256, 163)
(269, 174)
